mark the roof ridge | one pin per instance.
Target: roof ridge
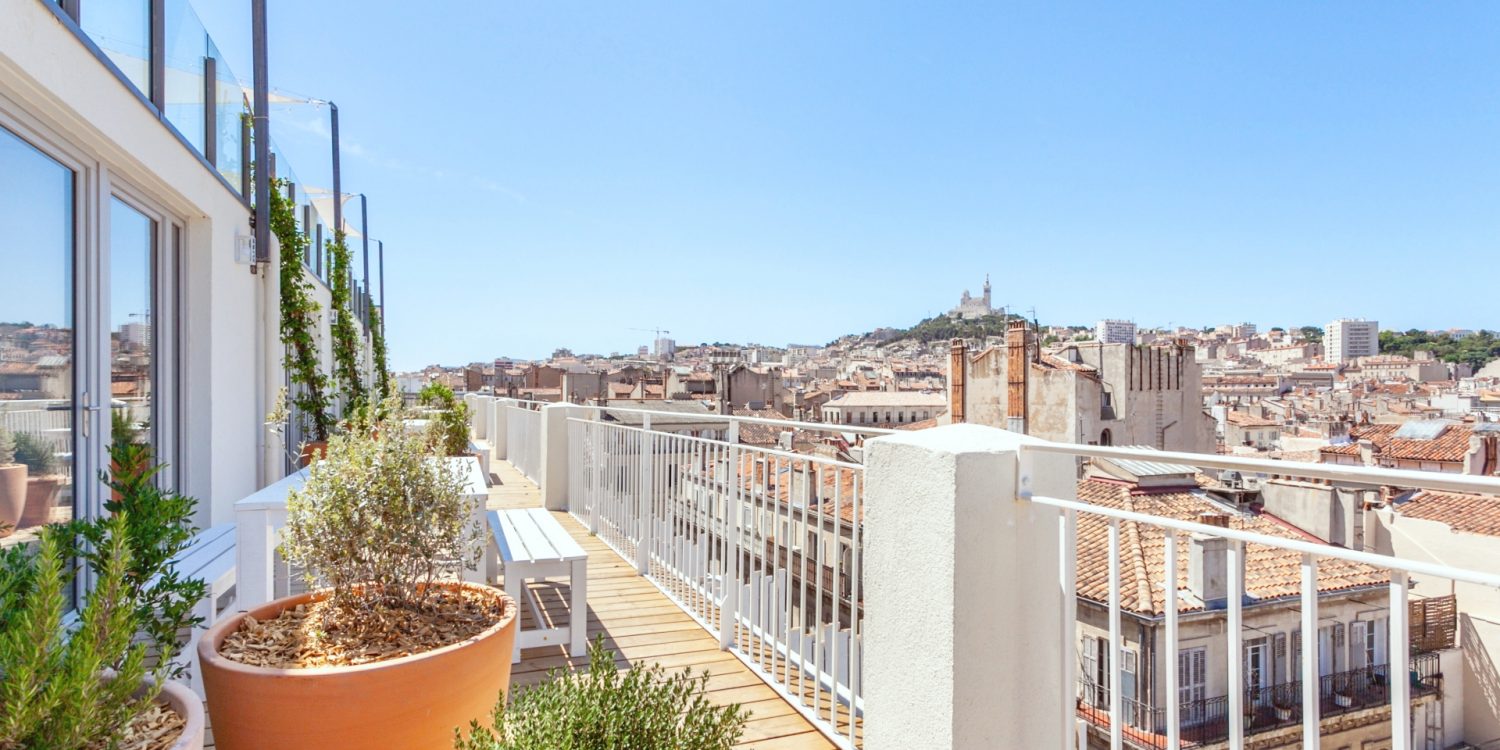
(1138, 561)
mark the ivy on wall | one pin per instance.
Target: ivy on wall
(299, 319)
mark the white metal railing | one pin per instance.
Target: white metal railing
(523, 439)
(1400, 689)
(761, 547)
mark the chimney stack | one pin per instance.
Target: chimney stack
(1017, 363)
(958, 359)
(1208, 563)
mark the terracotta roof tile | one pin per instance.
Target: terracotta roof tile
(1473, 514)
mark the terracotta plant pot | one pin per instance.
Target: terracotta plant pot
(41, 495)
(12, 497)
(313, 451)
(185, 703)
(413, 702)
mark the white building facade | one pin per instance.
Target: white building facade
(1348, 338)
(1114, 332)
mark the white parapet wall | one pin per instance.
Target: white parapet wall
(554, 460)
(963, 600)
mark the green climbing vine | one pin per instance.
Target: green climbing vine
(299, 318)
(377, 350)
(346, 340)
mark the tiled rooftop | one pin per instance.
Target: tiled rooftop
(1474, 514)
(1270, 573)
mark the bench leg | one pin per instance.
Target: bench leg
(578, 611)
(515, 586)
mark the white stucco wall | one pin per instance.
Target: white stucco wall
(1479, 607)
(50, 78)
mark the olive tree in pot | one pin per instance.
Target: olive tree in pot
(91, 687)
(12, 485)
(42, 483)
(394, 652)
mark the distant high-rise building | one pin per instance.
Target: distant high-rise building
(136, 334)
(1114, 332)
(643, 352)
(665, 348)
(1348, 338)
(1243, 330)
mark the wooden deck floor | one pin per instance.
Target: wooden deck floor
(642, 625)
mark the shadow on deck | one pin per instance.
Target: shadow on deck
(642, 625)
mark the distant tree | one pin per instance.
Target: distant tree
(1311, 333)
(1475, 350)
(1277, 329)
(562, 353)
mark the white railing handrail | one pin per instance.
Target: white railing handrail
(1371, 475)
(715, 417)
(1297, 545)
(825, 460)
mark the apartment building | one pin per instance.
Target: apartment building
(1084, 392)
(884, 408)
(1348, 338)
(1351, 640)
(132, 295)
(1114, 332)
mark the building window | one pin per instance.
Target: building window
(37, 333)
(1105, 438)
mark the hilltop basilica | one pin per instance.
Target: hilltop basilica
(973, 307)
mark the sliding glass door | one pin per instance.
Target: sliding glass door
(38, 345)
(87, 321)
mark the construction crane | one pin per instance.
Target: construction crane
(657, 331)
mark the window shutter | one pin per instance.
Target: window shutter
(1278, 660)
(1357, 635)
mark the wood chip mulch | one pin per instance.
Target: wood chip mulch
(315, 635)
(157, 728)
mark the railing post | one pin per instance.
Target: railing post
(729, 610)
(1399, 659)
(255, 574)
(643, 499)
(967, 588)
(553, 468)
(497, 428)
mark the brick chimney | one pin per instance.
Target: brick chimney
(1017, 363)
(958, 359)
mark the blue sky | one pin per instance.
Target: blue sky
(556, 174)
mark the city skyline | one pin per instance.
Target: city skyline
(789, 172)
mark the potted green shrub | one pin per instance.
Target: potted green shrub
(606, 709)
(42, 482)
(12, 485)
(395, 651)
(89, 687)
(448, 428)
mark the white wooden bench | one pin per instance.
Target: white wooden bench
(532, 545)
(209, 556)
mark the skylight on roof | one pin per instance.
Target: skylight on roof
(1422, 429)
